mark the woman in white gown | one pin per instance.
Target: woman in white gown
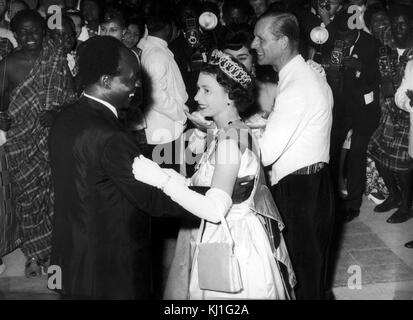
(224, 89)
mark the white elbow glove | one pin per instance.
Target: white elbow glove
(211, 206)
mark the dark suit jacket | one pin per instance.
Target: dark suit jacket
(360, 116)
(101, 232)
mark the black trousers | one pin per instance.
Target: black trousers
(356, 170)
(306, 203)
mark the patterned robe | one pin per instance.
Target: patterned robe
(389, 143)
(48, 86)
(9, 236)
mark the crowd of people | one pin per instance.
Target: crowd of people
(138, 138)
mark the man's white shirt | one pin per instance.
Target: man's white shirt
(298, 129)
(165, 118)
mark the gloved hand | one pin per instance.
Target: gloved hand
(149, 172)
(199, 121)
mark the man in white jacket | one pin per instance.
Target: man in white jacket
(404, 100)
(296, 145)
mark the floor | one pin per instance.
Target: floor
(371, 263)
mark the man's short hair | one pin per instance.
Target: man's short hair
(284, 24)
(158, 16)
(26, 15)
(99, 56)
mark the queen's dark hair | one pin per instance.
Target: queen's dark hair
(243, 97)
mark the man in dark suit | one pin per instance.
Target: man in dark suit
(357, 109)
(101, 238)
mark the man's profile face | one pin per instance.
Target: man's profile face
(29, 34)
(267, 46)
(123, 85)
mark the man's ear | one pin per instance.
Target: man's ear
(105, 82)
(284, 42)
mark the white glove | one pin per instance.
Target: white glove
(199, 121)
(3, 138)
(176, 176)
(211, 206)
(149, 172)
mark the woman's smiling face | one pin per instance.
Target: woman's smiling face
(211, 96)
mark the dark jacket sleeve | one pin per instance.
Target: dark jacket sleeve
(117, 159)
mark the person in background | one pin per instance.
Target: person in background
(5, 32)
(389, 144)
(113, 24)
(378, 23)
(134, 32)
(77, 21)
(404, 100)
(36, 81)
(6, 36)
(320, 15)
(356, 114)
(259, 7)
(91, 12)
(236, 12)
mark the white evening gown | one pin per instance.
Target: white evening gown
(260, 272)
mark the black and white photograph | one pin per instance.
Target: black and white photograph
(224, 150)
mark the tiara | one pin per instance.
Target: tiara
(230, 68)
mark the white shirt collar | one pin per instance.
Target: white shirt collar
(157, 40)
(106, 104)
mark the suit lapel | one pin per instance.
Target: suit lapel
(101, 110)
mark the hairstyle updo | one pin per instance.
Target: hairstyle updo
(243, 97)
